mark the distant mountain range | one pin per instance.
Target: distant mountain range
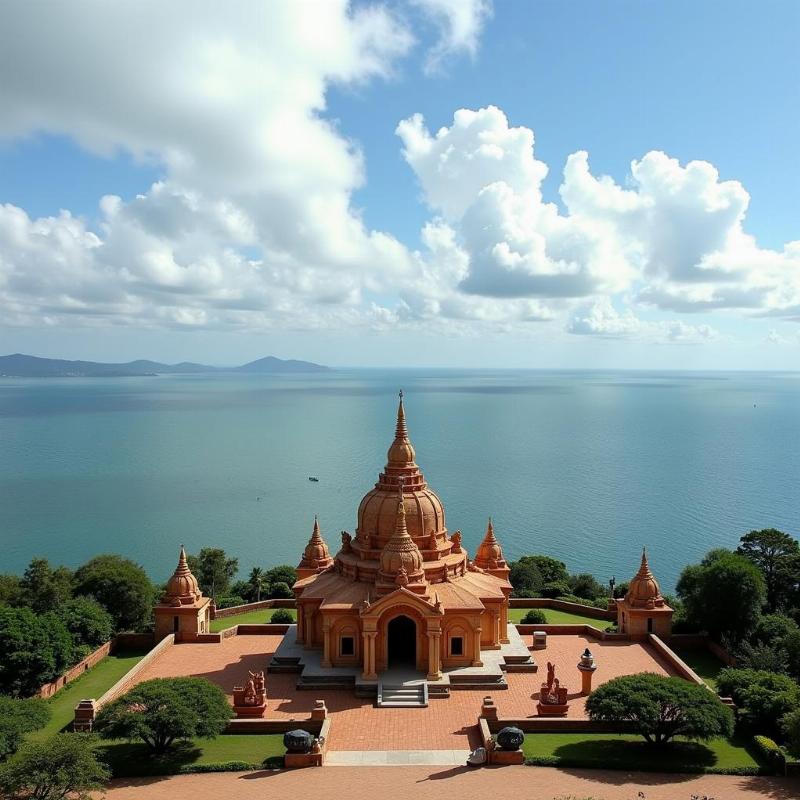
(22, 366)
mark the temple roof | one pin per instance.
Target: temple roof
(643, 590)
(182, 588)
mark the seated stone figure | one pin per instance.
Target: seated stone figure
(552, 695)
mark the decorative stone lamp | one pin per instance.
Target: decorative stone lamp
(586, 667)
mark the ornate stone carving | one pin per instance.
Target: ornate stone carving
(552, 695)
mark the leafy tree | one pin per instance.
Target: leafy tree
(283, 573)
(17, 717)
(777, 555)
(241, 589)
(163, 710)
(555, 589)
(774, 628)
(121, 587)
(722, 595)
(282, 616)
(44, 588)
(661, 707)
(229, 601)
(63, 767)
(534, 617)
(214, 570)
(257, 580)
(525, 578)
(767, 657)
(791, 646)
(281, 591)
(88, 622)
(761, 697)
(587, 587)
(33, 650)
(790, 728)
(10, 590)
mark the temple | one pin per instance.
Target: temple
(402, 592)
(643, 609)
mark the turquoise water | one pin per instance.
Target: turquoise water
(585, 466)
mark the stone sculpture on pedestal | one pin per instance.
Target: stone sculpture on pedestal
(552, 696)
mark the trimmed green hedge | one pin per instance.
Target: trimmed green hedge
(273, 762)
(771, 752)
(573, 763)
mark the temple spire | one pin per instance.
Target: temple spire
(401, 453)
(401, 431)
(316, 556)
(489, 555)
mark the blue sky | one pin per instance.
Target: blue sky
(289, 217)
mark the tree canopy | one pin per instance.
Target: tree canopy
(777, 555)
(661, 707)
(722, 595)
(33, 650)
(121, 586)
(762, 697)
(163, 710)
(214, 570)
(65, 766)
(43, 588)
(18, 717)
(88, 622)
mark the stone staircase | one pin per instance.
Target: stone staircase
(411, 694)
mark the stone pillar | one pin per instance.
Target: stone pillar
(320, 710)
(488, 708)
(326, 644)
(434, 656)
(308, 629)
(476, 654)
(504, 624)
(586, 681)
(370, 672)
(495, 627)
(300, 626)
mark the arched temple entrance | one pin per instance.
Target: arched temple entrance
(402, 643)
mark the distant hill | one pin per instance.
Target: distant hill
(22, 366)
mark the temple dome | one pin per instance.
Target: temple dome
(377, 512)
(489, 554)
(182, 588)
(643, 590)
(316, 549)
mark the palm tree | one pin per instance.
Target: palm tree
(257, 580)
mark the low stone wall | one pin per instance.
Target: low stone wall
(49, 689)
(125, 682)
(562, 605)
(267, 629)
(257, 725)
(574, 630)
(232, 611)
(557, 725)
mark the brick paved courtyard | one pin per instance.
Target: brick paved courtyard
(445, 724)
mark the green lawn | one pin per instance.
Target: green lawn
(257, 617)
(703, 662)
(129, 760)
(93, 683)
(555, 617)
(628, 751)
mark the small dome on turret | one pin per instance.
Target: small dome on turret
(316, 556)
(489, 554)
(182, 587)
(401, 452)
(643, 590)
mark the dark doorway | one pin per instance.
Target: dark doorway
(402, 633)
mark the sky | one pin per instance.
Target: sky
(415, 183)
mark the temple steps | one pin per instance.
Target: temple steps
(403, 695)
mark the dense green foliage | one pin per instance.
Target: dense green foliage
(543, 576)
(790, 728)
(723, 595)
(64, 766)
(214, 570)
(18, 717)
(534, 617)
(762, 697)
(777, 555)
(661, 708)
(282, 616)
(33, 650)
(121, 587)
(88, 622)
(163, 710)
(43, 588)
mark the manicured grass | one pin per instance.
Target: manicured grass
(628, 751)
(555, 617)
(93, 683)
(703, 662)
(134, 759)
(258, 617)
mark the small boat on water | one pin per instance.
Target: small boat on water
(313, 479)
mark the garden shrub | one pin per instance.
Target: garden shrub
(770, 752)
(535, 616)
(282, 616)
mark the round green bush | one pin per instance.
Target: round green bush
(282, 616)
(534, 616)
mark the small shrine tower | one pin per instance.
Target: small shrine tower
(182, 610)
(643, 609)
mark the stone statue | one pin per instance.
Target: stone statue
(551, 675)
(250, 693)
(552, 695)
(456, 540)
(346, 542)
(402, 577)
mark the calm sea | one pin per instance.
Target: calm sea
(585, 466)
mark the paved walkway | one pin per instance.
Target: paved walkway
(434, 783)
(447, 724)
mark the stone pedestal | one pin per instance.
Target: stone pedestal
(552, 701)
(539, 640)
(586, 667)
(488, 708)
(84, 716)
(320, 710)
